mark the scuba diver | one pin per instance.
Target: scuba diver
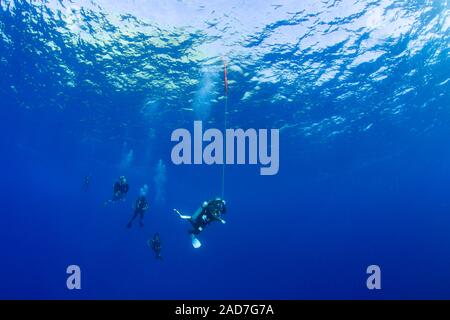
(209, 211)
(155, 244)
(120, 190)
(86, 182)
(140, 207)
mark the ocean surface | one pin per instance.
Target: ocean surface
(360, 91)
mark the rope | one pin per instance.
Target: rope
(224, 160)
(225, 81)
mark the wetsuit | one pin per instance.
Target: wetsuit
(207, 214)
(156, 246)
(139, 209)
(120, 189)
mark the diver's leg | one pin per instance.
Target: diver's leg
(114, 199)
(131, 220)
(195, 242)
(108, 202)
(141, 219)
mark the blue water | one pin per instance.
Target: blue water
(358, 89)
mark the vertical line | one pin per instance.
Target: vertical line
(224, 153)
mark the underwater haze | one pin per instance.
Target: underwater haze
(360, 91)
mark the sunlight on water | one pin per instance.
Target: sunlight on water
(295, 48)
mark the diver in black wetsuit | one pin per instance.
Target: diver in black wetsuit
(209, 211)
(120, 190)
(139, 209)
(155, 244)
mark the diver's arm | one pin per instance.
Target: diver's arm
(218, 219)
(181, 215)
(221, 220)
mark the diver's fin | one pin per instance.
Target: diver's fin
(195, 242)
(181, 215)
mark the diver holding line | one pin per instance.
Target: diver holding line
(209, 211)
